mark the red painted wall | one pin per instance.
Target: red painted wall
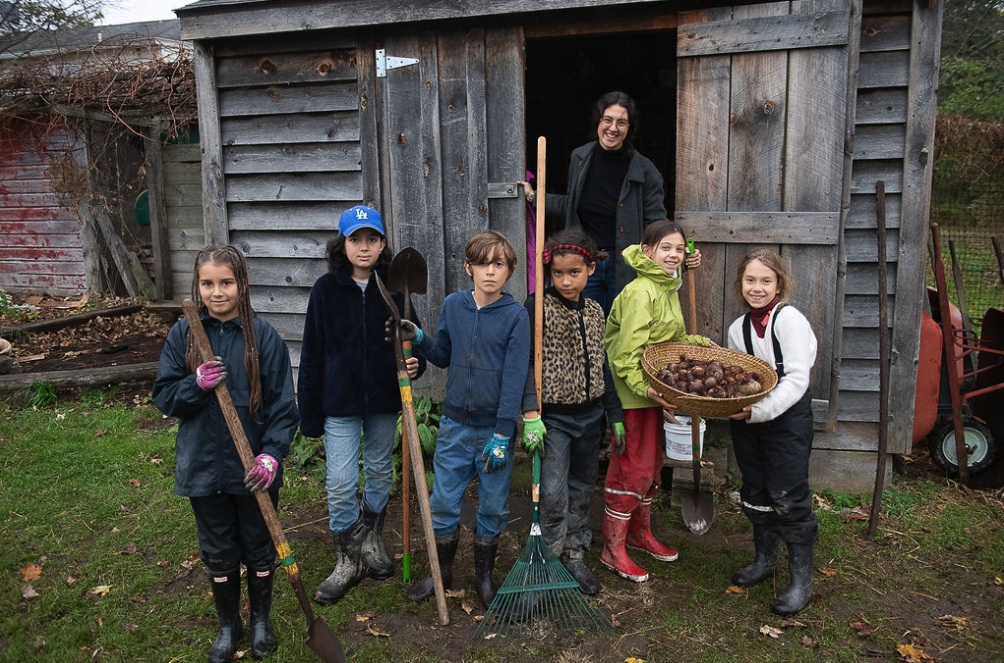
(41, 249)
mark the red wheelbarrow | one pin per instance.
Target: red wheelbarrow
(952, 395)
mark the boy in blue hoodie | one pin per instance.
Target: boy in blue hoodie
(484, 338)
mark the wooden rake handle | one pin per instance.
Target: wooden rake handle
(247, 459)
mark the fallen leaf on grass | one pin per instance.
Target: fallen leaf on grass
(632, 659)
(912, 654)
(811, 643)
(491, 636)
(98, 592)
(374, 632)
(136, 482)
(998, 581)
(31, 572)
(785, 623)
(864, 630)
(163, 563)
(156, 461)
(735, 590)
(771, 631)
(828, 572)
(130, 549)
(454, 593)
(467, 606)
(72, 579)
(28, 592)
(103, 431)
(365, 616)
(139, 599)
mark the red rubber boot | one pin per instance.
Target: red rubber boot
(615, 557)
(640, 535)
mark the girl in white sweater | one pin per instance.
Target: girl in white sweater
(773, 437)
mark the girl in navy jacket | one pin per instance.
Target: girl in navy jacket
(254, 361)
(348, 392)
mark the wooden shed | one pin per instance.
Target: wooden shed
(771, 123)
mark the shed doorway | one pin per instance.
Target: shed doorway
(565, 76)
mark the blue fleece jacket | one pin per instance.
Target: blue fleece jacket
(487, 351)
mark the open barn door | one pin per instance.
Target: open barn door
(450, 140)
(762, 92)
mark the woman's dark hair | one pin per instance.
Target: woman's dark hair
(655, 231)
(339, 262)
(617, 99)
(561, 242)
(229, 256)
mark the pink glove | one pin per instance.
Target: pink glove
(262, 474)
(210, 374)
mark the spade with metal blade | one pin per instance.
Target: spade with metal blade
(408, 274)
(410, 430)
(320, 638)
(697, 506)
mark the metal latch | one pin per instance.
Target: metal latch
(383, 63)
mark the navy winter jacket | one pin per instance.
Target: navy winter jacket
(207, 460)
(347, 369)
(488, 351)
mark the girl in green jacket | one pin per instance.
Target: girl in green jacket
(646, 312)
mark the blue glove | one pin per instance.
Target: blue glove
(496, 453)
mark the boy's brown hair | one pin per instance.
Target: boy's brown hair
(774, 262)
(487, 245)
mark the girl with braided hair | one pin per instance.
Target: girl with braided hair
(254, 362)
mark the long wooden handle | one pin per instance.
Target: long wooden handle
(695, 421)
(405, 490)
(247, 459)
(538, 291)
(410, 431)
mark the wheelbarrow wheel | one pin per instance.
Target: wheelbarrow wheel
(980, 446)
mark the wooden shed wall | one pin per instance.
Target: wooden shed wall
(894, 130)
(182, 169)
(41, 239)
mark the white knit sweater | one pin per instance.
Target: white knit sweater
(798, 345)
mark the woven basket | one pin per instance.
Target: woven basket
(657, 357)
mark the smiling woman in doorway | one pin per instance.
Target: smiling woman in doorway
(613, 193)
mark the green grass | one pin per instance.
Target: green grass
(87, 487)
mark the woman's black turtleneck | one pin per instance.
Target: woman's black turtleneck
(601, 194)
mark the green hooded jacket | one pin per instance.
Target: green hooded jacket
(646, 312)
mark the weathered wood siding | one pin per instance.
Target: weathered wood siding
(41, 243)
(183, 208)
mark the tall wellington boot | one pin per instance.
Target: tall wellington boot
(796, 596)
(263, 640)
(349, 567)
(446, 550)
(227, 597)
(767, 546)
(615, 557)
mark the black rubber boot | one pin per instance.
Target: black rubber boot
(578, 570)
(374, 555)
(226, 587)
(796, 596)
(767, 546)
(446, 550)
(484, 564)
(263, 641)
(349, 568)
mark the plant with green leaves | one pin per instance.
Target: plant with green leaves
(427, 415)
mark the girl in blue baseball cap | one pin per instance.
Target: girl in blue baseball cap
(348, 392)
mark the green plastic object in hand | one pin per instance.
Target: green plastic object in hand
(619, 439)
(533, 434)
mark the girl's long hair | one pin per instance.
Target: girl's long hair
(229, 256)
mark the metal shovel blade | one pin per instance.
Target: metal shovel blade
(323, 642)
(697, 506)
(408, 272)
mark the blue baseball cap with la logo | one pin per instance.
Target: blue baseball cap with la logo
(358, 217)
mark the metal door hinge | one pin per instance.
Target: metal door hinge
(383, 62)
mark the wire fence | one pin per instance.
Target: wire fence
(967, 203)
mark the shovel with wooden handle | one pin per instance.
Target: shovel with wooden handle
(410, 429)
(320, 638)
(408, 273)
(697, 506)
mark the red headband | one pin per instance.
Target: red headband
(549, 253)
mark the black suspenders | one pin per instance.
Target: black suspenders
(748, 340)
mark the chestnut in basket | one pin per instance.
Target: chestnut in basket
(710, 378)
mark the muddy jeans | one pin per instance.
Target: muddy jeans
(568, 477)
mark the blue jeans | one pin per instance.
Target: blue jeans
(602, 283)
(342, 437)
(457, 459)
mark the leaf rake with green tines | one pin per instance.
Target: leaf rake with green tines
(539, 597)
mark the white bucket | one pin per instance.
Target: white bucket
(679, 445)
